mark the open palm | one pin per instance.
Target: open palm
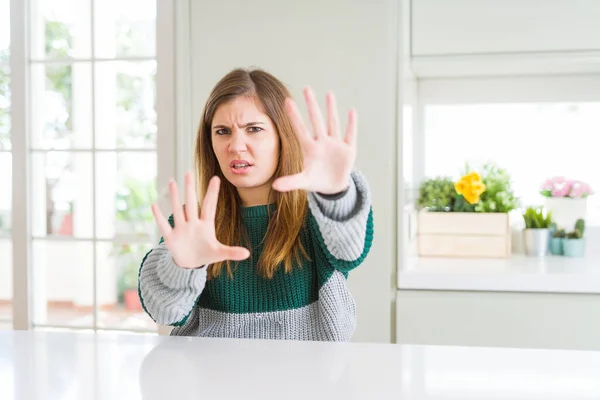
(328, 159)
(192, 241)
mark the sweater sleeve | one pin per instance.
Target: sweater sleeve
(168, 293)
(343, 223)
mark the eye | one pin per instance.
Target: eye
(254, 129)
(221, 131)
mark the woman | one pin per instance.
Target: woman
(267, 256)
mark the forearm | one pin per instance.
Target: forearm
(344, 221)
(167, 291)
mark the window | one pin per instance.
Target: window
(5, 170)
(92, 119)
(534, 141)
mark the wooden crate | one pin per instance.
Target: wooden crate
(456, 234)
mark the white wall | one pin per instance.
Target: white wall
(460, 27)
(466, 38)
(349, 47)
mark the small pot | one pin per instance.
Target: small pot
(556, 246)
(574, 247)
(537, 242)
(132, 300)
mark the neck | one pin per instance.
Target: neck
(256, 196)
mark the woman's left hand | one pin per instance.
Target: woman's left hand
(328, 159)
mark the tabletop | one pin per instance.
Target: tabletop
(107, 365)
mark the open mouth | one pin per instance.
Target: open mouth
(240, 166)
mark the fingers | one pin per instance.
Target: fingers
(352, 128)
(333, 122)
(234, 253)
(178, 216)
(209, 204)
(314, 113)
(161, 221)
(191, 201)
(291, 182)
(297, 122)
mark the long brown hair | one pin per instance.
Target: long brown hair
(282, 241)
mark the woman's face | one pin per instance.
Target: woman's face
(246, 144)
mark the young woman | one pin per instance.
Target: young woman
(267, 255)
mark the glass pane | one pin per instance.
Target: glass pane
(125, 28)
(118, 300)
(562, 136)
(4, 29)
(125, 105)
(63, 283)
(5, 194)
(62, 197)
(60, 29)
(6, 286)
(4, 105)
(125, 189)
(61, 104)
(408, 151)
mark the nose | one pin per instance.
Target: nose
(238, 141)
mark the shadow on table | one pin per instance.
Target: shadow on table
(194, 368)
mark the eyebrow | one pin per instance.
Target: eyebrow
(247, 124)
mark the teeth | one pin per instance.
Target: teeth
(240, 165)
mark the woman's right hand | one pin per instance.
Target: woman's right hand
(192, 241)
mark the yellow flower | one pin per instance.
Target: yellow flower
(470, 187)
(472, 177)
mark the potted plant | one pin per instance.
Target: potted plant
(129, 260)
(537, 230)
(566, 198)
(476, 222)
(498, 196)
(574, 242)
(556, 241)
(135, 217)
(436, 194)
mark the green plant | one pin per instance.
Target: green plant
(498, 196)
(128, 259)
(437, 194)
(133, 202)
(537, 218)
(579, 230)
(133, 208)
(560, 233)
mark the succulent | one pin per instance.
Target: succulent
(559, 233)
(437, 194)
(537, 218)
(579, 230)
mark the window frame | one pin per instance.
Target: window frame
(167, 84)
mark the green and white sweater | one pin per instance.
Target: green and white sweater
(310, 303)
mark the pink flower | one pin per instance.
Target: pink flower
(548, 185)
(561, 191)
(559, 186)
(576, 191)
(580, 189)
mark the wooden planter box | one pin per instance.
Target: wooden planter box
(457, 234)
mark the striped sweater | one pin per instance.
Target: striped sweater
(310, 303)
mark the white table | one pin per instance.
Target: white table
(56, 365)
